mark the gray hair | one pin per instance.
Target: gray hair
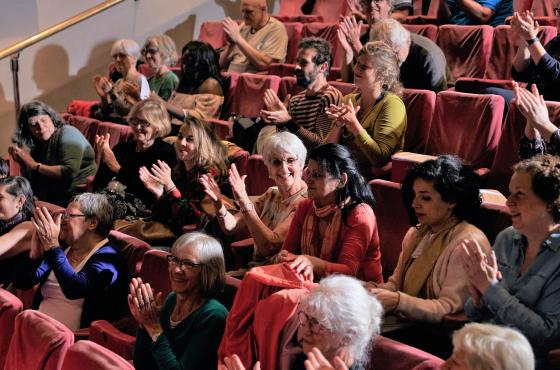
(284, 142)
(341, 304)
(390, 32)
(489, 347)
(166, 47)
(96, 206)
(210, 255)
(127, 47)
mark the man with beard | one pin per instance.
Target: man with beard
(305, 115)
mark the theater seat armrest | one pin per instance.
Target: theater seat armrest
(554, 356)
(242, 244)
(223, 129)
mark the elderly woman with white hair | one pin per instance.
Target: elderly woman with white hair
(268, 218)
(338, 319)
(160, 53)
(186, 330)
(117, 98)
(489, 347)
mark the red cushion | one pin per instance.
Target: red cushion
(257, 176)
(10, 306)
(155, 271)
(420, 106)
(428, 30)
(212, 33)
(105, 334)
(86, 355)
(247, 100)
(388, 354)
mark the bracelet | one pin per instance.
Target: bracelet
(398, 300)
(532, 41)
(170, 190)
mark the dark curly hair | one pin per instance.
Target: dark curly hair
(199, 62)
(16, 186)
(335, 159)
(22, 135)
(322, 48)
(454, 180)
(545, 173)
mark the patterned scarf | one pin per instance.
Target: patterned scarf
(8, 225)
(311, 242)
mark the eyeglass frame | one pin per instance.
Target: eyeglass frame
(66, 216)
(133, 121)
(152, 51)
(184, 264)
(314, 325)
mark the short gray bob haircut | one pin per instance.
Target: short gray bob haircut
(210, 255)
(127, 47)
(342, 305)
(391, 32)
(491, 347)
(96, 206)
(284, 142)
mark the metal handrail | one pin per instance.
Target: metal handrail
(15, 49)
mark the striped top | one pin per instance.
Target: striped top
(309, 120)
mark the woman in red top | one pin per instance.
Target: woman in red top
(335, 230)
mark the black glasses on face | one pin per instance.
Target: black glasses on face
(67, 216)
(138, 122)
(183, 264)
(149, 51)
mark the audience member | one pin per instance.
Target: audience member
(442, 198)
(473, 12)
(400, 9)
(16, 209)
(422, 62)
(118, 167)
(540, 136)
(372, 123)
(185, 331)
(305, 115)
(202, 86)
(4, 168)
(261, 40)
(489, 347)
(533, 62)
(180, 198)
(160, 53)
(59, 159)
(117, 98)
(335, 231)
(267, 218)
(338, 320)
(83, 282)
(518, 284)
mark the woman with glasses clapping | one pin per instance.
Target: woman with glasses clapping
(186, 330)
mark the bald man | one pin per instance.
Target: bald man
(257, 43)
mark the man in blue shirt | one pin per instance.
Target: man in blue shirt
(472, 12)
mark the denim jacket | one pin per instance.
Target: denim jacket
(529, 302)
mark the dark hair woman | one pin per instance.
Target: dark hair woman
(335, 230)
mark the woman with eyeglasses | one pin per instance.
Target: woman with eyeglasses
(117, 98)
(58, 158)
(160, 53)
(185, 331)
(335, 230)
(372, 123)
(86, 279)
(119, 167)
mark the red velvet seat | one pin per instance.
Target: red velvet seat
(240, 159)
(466, 48)
(507, 152)
(257, 176)
(428, 30)
(344, 87)
(81, 107)
(466, 125)
(388, 354)
(291, 8)
(392, 222)
(39, 342)
(504, 48)
(542, 8)
(247, 98)
(131, 248)
(330, 10)
(325, 30)
(288, 86)
(420, 106)
(213, 33)
(294, 30)
(87, 355)
(10, 307)
(90, 127)
(301, 18)
(154, 271)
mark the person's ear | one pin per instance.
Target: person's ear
(20, 201)
(94, 222)
(343, 180)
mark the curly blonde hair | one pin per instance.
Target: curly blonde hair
(386, 65)
(155, 114)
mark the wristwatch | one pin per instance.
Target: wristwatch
(532, 41)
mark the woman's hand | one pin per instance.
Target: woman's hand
(345, 115)
(533, 107)
(349, 36)
(524, 26)
(46, 227)
(145, 306)
(388, 299)
(317, 361)
(212, 189)
(234, 363)
(102, 147)
(131, 91)
(237, 183)
(285, 256)
(304, 265)
(481, 271)
(162, 172)
(22, 157)
(151, 182)
(102, 85)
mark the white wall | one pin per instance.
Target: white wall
(60, 68)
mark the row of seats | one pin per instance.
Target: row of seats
(471, 51)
